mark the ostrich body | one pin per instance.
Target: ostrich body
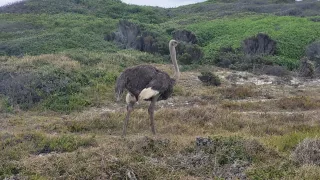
(145, 82)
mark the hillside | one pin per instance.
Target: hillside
(59, 61)
(91, 32)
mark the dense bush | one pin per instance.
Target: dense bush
(228, 58)
(274, 70)
(306, 68)
(73, 25)
(261, 44)
(222, 157)
(284, 1)
(115, 9)
(307, 152)
(210, 79)
(231, 31)
(313, 52)
(28, 88)
(220, 8)
(56, 82)
(64, 82)
(5, 105)
(189, 53)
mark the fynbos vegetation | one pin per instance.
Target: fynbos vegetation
(246, 106)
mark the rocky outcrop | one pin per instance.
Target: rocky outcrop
(261, 44)
(131, 36)
(313, 52)
(306, 68)
(187, 51)
(147, 43)
(185, 35)
(126, 36)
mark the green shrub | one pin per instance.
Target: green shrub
(313, 52)
(64, 143)
(221, 157)
(5, 105)
(231, 31)
(287, 143)
(66, 103)
(185, 59)
(278, 170)
(208, 78)
(283, 1)
(35, 142)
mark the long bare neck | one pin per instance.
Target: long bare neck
(173, 55)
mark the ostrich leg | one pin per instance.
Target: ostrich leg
(151, 113)
(126, 120)
(131, 100)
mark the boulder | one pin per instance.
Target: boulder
(130, 36)
(126, 36)
(185, 35)
(306, 68)
(313, 52)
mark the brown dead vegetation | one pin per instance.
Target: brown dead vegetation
(251, 132)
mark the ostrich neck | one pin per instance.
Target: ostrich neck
(173, 55)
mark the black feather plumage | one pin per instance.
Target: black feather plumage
(137, 78)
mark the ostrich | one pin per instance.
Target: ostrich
(145, 82)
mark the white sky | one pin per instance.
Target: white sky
(160, 3)
(5, 2)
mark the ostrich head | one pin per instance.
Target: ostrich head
(173, 43)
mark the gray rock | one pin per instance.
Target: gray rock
(185, 35)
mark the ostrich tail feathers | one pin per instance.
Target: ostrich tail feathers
(120, 85)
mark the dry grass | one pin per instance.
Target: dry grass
(30, 62)
(238, 92)
(253, 137)
(307, 172)
(299, 102)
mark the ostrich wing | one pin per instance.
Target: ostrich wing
(163, 84)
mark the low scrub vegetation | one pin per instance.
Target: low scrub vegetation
(307, 152)
(299, 103)
(238, 92)
(210, 79)
(14, 147)
(63, 83)
(59, 61)
(225, 32)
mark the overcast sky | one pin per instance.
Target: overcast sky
(4, 2)
(161, 3)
